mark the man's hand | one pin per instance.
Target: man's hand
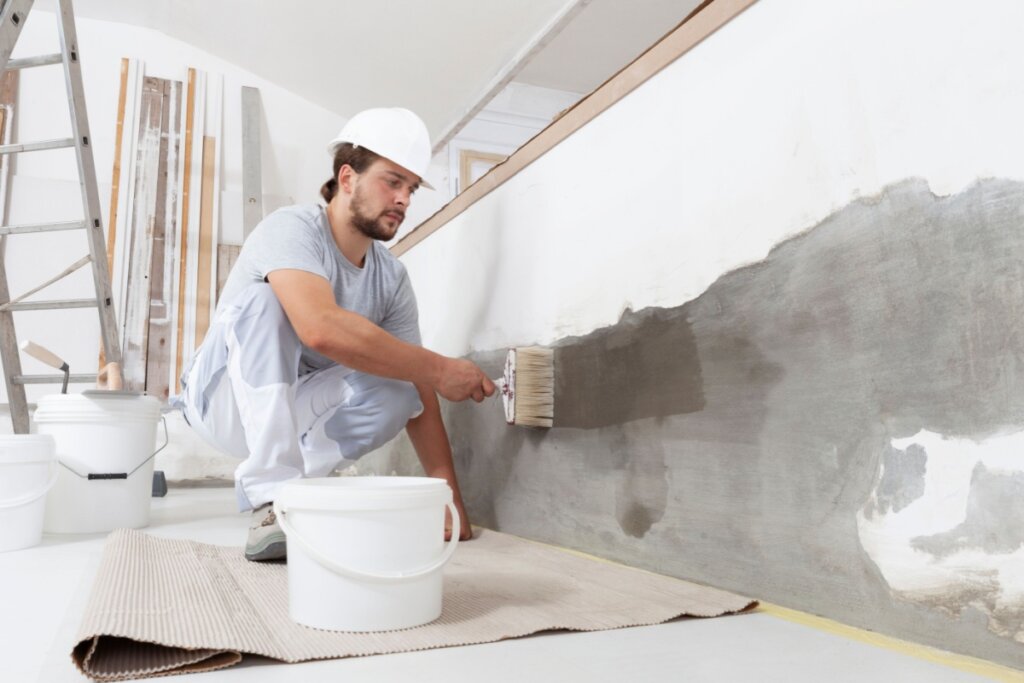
(465, 528)
(462, 379)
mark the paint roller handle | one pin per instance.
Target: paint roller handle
(110, 378)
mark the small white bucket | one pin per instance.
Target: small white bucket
(105, 448)
(366, 553)
(27, 472)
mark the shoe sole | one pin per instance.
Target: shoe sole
(273, 547)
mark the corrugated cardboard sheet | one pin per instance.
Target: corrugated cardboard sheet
(163, 606)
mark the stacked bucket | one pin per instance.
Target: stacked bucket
(89, 469)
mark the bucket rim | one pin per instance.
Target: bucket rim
(9, 458)
(16, 449)
(64, 406)
(363, 493)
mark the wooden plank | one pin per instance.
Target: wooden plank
(227, 254)
(190, 98)
(215, 129)
(125, 215)
(692, 31)
(115, 183)
(252, 180)
(195, 211)
(162, 260)
(137, 305)
(205, 243)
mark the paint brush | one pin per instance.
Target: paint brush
(528, 387)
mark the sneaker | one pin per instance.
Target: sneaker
(266, 540)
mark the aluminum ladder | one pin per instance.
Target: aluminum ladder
(13, 14)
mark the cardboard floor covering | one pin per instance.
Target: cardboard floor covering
(164, 606)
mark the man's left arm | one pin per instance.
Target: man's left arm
(430, 440)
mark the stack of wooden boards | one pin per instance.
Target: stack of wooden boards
(164, 221)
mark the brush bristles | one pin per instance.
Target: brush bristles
(535, 387)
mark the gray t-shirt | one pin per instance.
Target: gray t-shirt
(299, 238)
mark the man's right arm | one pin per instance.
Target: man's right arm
(354, 341)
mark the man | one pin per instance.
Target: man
(314, 355)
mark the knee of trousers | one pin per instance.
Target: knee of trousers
(375, 416)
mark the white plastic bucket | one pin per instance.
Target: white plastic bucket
(27, 472)
(105, 448)
(366, 553)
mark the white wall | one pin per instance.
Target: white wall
(792, 111)
(794, 139)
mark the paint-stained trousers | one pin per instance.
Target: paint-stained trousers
(244, 396)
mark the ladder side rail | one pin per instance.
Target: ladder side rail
(87, 178)
(16, 398)
(12, 20)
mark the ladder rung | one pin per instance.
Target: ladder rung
(37, 146)
(41, 60)
(41, 227)
(51, 379)
(50, 305)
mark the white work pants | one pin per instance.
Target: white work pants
(243, 395)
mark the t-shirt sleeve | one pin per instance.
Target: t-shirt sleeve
(403, 320)
(284, 241)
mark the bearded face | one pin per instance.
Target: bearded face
(376, 222)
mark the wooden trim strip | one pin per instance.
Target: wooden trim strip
(698, 26)
(206, 247)
(115, 183)
(190, 99)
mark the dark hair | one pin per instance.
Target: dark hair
(359, 158)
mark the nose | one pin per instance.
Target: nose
(403, 196)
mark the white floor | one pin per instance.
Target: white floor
(43, 592)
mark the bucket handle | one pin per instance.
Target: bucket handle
(35, 495)
(122, 475)
(386, 577)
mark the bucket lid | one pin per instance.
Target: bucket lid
(22, 448)
(63, 407)
(364, 493)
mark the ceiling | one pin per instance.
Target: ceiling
(441, 58)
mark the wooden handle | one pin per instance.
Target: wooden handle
(45, 355)
(109, 378)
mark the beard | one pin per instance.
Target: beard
(373, 227)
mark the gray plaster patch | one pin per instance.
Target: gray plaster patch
(644, 366)
(902, 479)
(771, 399)
(995, 517)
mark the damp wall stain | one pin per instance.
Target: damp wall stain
(732, 439)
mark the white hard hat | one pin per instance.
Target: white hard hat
(394, 133)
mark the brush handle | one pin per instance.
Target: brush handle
(45, 355)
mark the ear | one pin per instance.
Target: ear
(346, 178)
